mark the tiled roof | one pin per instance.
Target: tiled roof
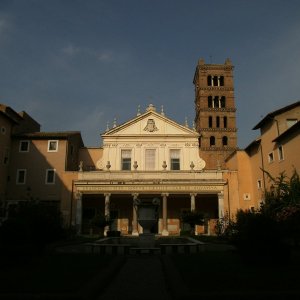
(45, 135)
(271, 115)
(288, 132)
(10, 113)
(252, 144)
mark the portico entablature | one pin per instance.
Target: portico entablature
(120, 176)
(93, 187)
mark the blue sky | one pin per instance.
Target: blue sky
(78, 64)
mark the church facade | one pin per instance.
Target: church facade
(149, 156)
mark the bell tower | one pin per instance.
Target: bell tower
(215, 112)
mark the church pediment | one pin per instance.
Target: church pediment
(149, 124)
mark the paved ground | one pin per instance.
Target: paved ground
(141, 277)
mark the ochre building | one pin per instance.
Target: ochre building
(150, 156)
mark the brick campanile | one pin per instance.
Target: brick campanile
(215, 112)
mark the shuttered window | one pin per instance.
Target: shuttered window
(150, 159)
(175, 159)
(126, 160)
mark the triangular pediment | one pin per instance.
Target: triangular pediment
(150, 123)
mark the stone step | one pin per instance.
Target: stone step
(138, 250)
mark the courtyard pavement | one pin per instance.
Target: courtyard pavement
(141, 277)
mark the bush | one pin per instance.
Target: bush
(269, 232)
(259, 238)
(100, 221)
(192, 218)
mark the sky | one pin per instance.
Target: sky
(75, 65)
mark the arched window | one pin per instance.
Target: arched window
(222, 101)
(209, 81)
(215, 81)
(225, 140)
(216, 102)
(218, 122)
(225, 122)
(221, 80)
(210, 101)
(212, 141)
(210, 120)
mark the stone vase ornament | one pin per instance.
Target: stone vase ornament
(147, 217)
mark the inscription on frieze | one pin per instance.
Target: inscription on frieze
(145, 188)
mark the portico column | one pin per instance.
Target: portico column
(134, 215)
(193, 204)
(106, 211)
(193, 207)
(221, 204)
(165, 215)
(78, 220)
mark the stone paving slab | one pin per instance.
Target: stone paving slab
(141, 277)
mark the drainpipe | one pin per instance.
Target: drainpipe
(227, 183)
(71, 204)
(277, 126)
(262, 166)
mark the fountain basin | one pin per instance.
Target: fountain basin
(133, 245)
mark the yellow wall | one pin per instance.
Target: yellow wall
(5, 145)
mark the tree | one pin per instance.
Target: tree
(192, 218)
(32, 223)
(282, 204)
(269, 232)
(100, 221)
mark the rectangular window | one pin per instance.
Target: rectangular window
(280, 153)
(271, 157)
(175, 159)
(150, 159)
(24, 146)
(50, 176)
(259, 184)
(126, 160)
(291, 122)
(21, 176)
(52, 146)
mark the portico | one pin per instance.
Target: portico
(114, 197)
(150, 156)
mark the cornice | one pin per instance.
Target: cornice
(216, 88)
(215, 67)
(218, 148)
(223, 109)
(219, 129)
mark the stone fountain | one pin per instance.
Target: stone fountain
(147, 217)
